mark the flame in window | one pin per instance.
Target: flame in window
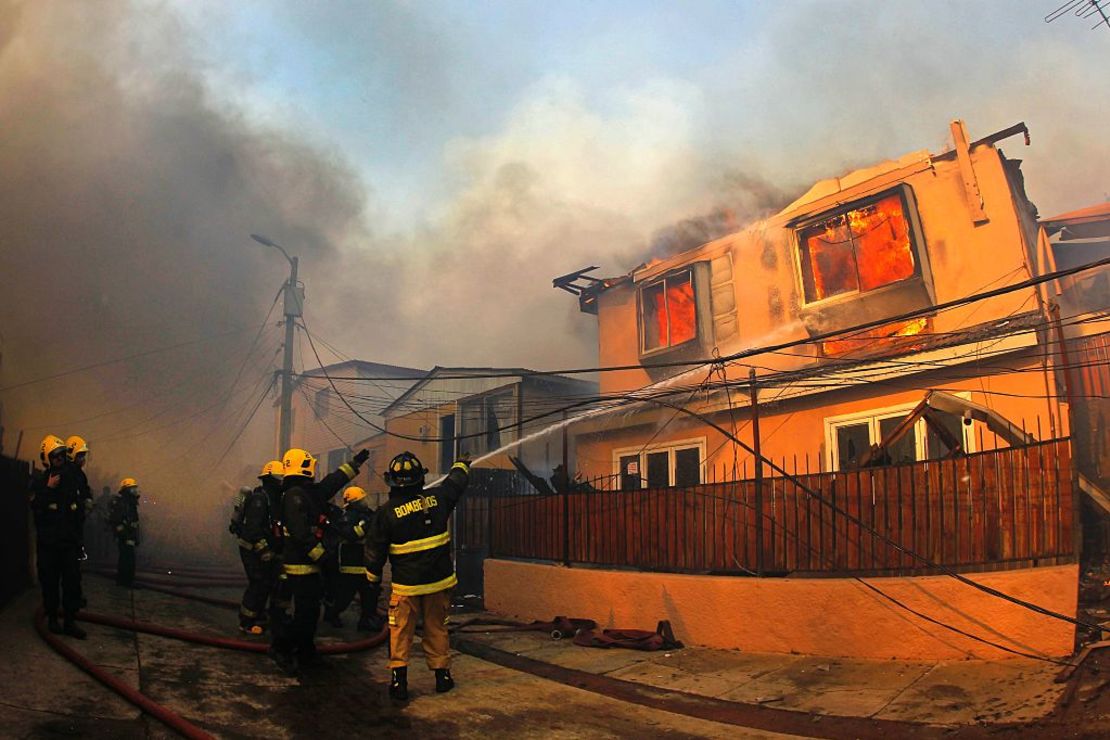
(881, 338)
(858, 250)
(669, 312)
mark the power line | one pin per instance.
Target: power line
(764, 349)
(876, 533)
(137, 355)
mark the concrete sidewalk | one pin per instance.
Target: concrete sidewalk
(959, 693)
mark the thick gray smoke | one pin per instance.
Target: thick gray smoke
(130, 179)
(125, 204)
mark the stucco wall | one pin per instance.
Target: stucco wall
(831, 617)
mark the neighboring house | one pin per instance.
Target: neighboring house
(480, 410)
(324, 425)
(1073, 239)
(895, 238)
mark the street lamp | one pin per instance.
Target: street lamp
(294, 306)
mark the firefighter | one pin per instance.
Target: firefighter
(77, 451)
(55, 501)
(303, 520)
(352, 523)
(256, 547)
(124, 520)
(410, 529)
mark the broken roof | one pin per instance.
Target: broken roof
(822, 195)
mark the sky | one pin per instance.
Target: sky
(434, 165)
(402, 88)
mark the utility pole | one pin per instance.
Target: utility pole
(293, 307)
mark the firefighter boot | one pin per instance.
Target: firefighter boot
(399, 685)
(70, 628)
(287, 662)
(444, 682)
(53, 626)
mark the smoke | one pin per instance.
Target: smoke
(134, 168)
(125, 204)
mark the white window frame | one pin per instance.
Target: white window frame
(873, 417)
(671, 448)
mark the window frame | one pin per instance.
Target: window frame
(670, 448)
(687, 270)
(913, 230)
(321, 403)
(873, 417)
(483, 400)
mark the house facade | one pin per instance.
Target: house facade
(480, 411)
(813, 422)
(900, 238)
(324, 425)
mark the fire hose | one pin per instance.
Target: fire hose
(558, 628)
(163, 714)
(222, 581)
(168, 717)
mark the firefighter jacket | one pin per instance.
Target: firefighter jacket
(84, 491)
(304, 518)
(58, 511)
(411, 530)
(352, 524)
(124, 518)
(257, 533)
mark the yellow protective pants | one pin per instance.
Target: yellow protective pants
(403, 614)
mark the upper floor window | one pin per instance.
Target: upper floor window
(320, 403)
(860, 247)
(668, 312)
(487, 422)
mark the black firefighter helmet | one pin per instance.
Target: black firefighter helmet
(405, 470)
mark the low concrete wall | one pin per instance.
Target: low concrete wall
(836, 617)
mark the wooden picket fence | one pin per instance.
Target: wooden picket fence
(990, 510)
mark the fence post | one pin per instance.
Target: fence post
(758, 473)
(566, 495)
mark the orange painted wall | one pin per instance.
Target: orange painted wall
(797, 427)
(964, 258)
(828, 617)
(422, 424)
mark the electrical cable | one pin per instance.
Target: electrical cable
(243, 428)
(753, 351)
(135, 356)
(875, 533)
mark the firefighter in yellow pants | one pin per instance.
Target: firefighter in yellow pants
(410, 530)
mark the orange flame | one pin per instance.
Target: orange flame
(877, 340)
(859, 250)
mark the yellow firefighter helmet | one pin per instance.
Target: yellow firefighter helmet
(352, 494)
(50, 445)
(75, 446)
(299, 462)
(274, 469)
(128, 483)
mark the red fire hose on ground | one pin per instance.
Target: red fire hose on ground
(163, 714)
(166, 716)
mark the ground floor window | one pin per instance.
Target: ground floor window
(660, 466)
(849, 436)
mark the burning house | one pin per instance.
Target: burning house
(890, 400)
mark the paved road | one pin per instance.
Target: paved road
(242, 695)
